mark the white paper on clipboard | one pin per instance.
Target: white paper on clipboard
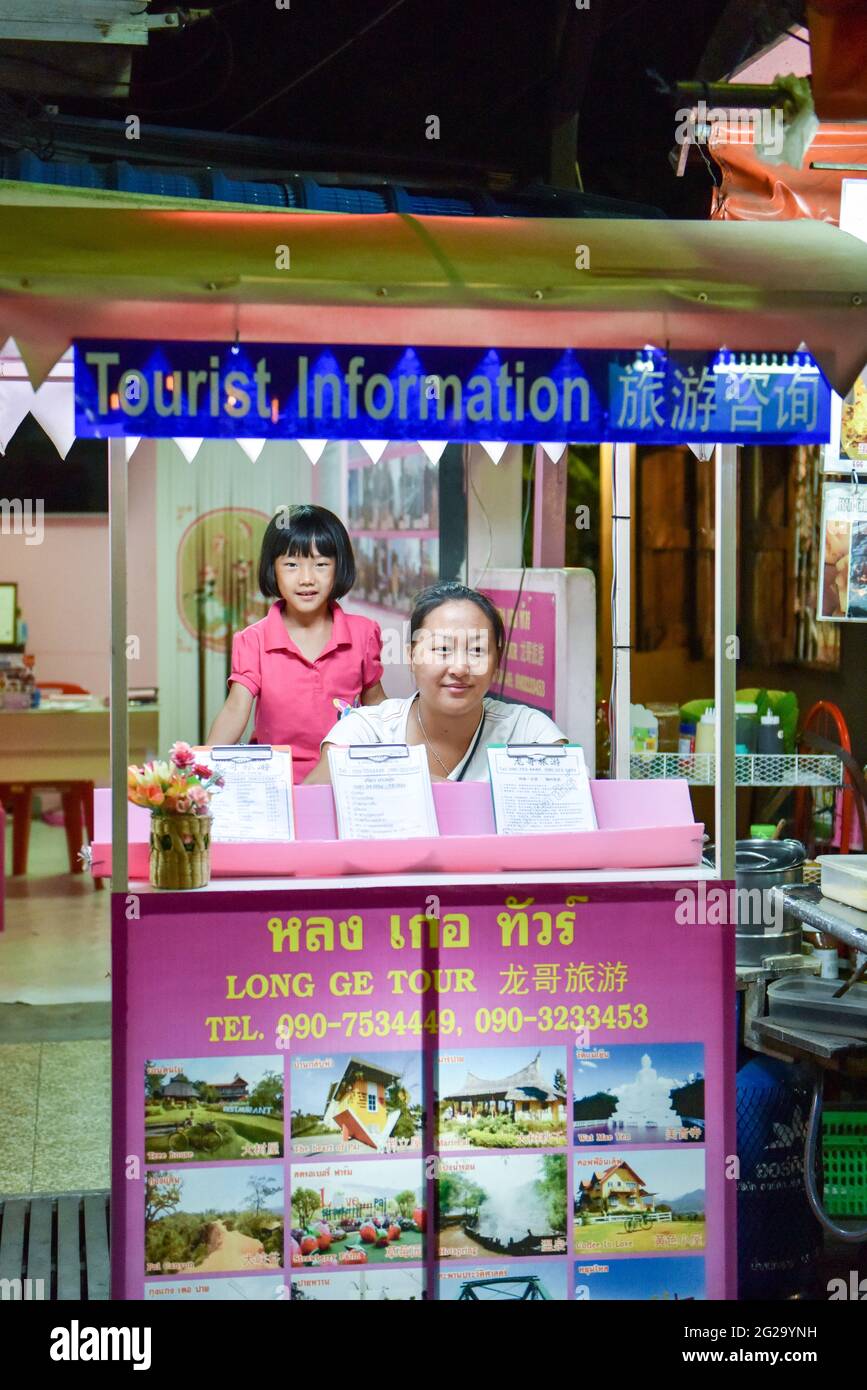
(382, 791)
(256, 802)
(540, 789)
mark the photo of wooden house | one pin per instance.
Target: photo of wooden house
(179, 1093)
(616, 1189)
(521, 1106)
(235, 1091)
(647, 1199)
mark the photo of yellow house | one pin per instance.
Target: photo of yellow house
(643, 1200)
(348, 1104)
(357, 1103)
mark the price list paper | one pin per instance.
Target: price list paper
(256, 801)
(540, 788)
(382, 792)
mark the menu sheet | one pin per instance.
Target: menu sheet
(382, 791)
(256, 802)
(540, 789)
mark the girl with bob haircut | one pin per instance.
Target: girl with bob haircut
(456, 643)
(306, 659)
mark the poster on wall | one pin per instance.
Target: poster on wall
(847, 450)
(392, 513)
(527, 672)
(843, 596)
(350, 1100)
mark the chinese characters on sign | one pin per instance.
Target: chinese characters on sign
(721, 402)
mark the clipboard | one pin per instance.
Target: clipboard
(256, 802)
(538, 788)
(240, 752)
(382, 791)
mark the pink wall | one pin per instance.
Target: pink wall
(63, 588)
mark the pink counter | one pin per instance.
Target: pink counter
(642, 825)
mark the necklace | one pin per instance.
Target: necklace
(426, 739)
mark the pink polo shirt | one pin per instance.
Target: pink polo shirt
(294, 696)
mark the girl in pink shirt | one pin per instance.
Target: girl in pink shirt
(306, 656)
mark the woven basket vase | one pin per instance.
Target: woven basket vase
(180, 851)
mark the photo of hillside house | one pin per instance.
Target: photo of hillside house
(616, 1189)
(503, 1098)
(355, 1104)
(642, 1200)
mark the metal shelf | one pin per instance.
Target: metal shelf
(751, 769)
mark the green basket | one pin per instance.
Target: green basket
(844, 1154)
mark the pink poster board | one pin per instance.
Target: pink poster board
(530, 671)
(537, 1084)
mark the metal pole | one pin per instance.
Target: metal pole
(621, 638)
(118, 716)
(550, 481)
(725, 653)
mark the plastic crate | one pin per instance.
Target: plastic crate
(844, 1159)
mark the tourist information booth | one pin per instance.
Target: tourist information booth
(478, 1064)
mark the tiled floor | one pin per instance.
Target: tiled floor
(55, 1103)
(56, 946)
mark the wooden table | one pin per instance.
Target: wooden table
(67, 749)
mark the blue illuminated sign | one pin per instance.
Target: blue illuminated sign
(307, 391)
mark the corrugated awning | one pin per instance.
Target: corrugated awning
(499, 282)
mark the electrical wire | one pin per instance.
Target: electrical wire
(484, 510)
(225, 80)
(296, 81)
(530, 483)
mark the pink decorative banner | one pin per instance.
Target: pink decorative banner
(388, 1093)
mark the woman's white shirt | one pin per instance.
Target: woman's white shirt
(503, 723)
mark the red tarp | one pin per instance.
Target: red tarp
(752, 191)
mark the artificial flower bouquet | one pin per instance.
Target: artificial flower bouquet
(178, 795)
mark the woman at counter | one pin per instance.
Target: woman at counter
(457, 641)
